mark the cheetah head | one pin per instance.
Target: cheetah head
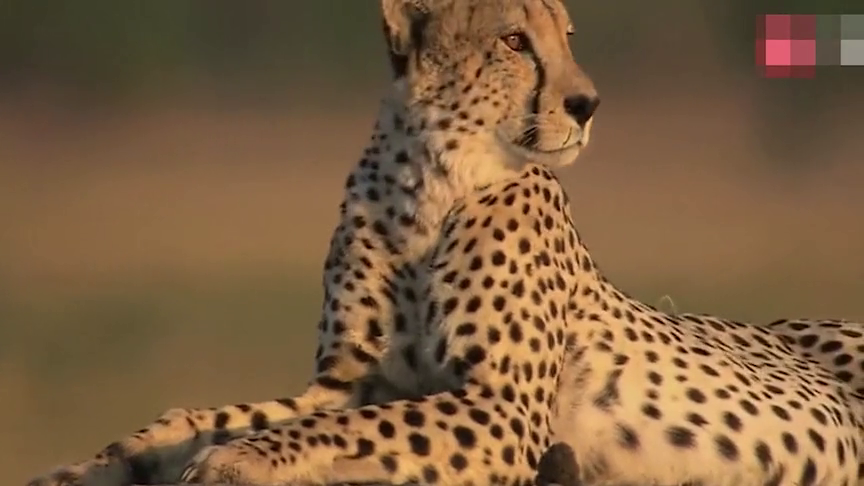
(489, 84)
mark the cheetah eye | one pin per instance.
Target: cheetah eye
(517, 42)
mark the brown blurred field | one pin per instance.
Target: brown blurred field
(166, 252)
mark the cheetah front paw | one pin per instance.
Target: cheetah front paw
(255, 462)
(87, 473)
(230, 464)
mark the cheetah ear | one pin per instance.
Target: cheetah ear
(404, 22)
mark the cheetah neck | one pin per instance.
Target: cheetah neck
(409, 180)
(411, 175)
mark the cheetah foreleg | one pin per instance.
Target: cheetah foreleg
(158, 452)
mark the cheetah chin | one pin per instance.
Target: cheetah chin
(519, 142)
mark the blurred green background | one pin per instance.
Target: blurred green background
(170, 172)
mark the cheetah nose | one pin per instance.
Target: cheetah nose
(581, 107)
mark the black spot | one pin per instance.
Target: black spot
(708, 370)
(447, 408)
(473, 304)
(808, 340)
(479, 416)
(776, 479)
(732, 421)
(831, 346)
(808, 475)
(338, 441)
(841, 452)
(499, 303)
(221, 420)
(365, 448)
(781, 412)
(389, 463)
(819, 416)
(517, 427)
(680, 437)
(287, 403)
(259, 420)
(508, 455)
(419, 444)
(386, 429)
(466, 329)
(430, 475)
(458, 462)
(727, 449)
(817, 439)
(763, 453)
(790, 443)
(749, 407)
(696, 419)
(627, 437)
(414, 418)
(498, 258)
(696, 395)
(651, 411)
(465, 436)
(516, 332)
(476, 354)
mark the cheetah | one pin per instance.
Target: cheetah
(480, 88)
(466, 328)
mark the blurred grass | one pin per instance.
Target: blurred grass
(59, 338)
(76, 369)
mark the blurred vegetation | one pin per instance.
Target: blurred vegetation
(109, 47)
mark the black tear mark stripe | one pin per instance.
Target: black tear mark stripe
(530, 135)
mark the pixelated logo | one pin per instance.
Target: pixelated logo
(786, 45)
(792, 46)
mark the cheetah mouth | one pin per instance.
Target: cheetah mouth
(547, 145)
(529, 141)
